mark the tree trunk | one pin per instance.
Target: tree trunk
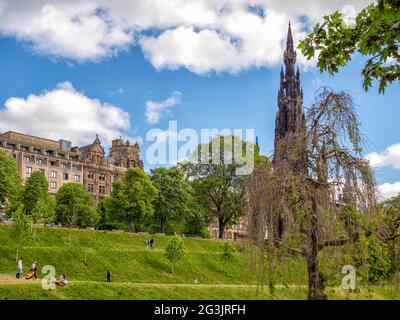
(221, 229)
(172, 269)
(16, 256)
(162, 226)
(316, 284)
(70, 231)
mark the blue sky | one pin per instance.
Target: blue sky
(122, 83)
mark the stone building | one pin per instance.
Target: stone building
(61, 163)
(55, 159)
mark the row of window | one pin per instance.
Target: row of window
(90, 188)
(53, 174)
(53, 163)
(91, 175)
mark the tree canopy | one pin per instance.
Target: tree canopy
(74, 206)
(174, 200)
(214, 171)
(375, 33)
(10, 182)
(36, 191)
(131, 200)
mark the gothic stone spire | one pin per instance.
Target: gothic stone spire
(290, 116)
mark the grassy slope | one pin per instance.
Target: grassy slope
(125, 255)
(141, 274)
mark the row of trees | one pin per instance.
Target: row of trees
(182, 199)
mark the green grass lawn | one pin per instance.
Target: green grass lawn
(145, 274)
(125, 255)
(110, 291)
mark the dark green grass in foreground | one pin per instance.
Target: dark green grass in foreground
(120, 291)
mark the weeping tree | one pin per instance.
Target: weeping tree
(305, 204)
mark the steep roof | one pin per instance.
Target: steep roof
(95, 147)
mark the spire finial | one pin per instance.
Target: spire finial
(289, 35)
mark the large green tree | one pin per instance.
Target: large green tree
(36, 189)
(174, 200)
(10, 182)
(375, 34)
(131, 200)
(74, 206)
(216, 176)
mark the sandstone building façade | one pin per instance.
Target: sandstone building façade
(60, 163)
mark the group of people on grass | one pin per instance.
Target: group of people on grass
(32, 270)
(63, 281)
(148, 244)
(32, 273)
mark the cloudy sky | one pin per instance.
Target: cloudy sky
(73, 69)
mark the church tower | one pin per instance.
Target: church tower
(290, 117)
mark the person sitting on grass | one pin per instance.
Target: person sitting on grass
(63, 280)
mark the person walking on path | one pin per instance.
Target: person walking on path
(34, 268)
(151, 243)
(20, 269)
(108, 276)
(146, 244)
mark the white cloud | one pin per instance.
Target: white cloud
(200, 35)
(390, 157)
(388, 190)
(64, 113)
(154, 110)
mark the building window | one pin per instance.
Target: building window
(27, 159)
(102, 176)
(74, 167)
(14, 155)
(90, 187)
(64, 166)
(77, 178)
(102, 189)
(10, 146)
(53, 174)
(42, 171)
(53, 185)
(39, 161)
(90, 175)
(65, 176)
(28, 170)
(24, 148)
